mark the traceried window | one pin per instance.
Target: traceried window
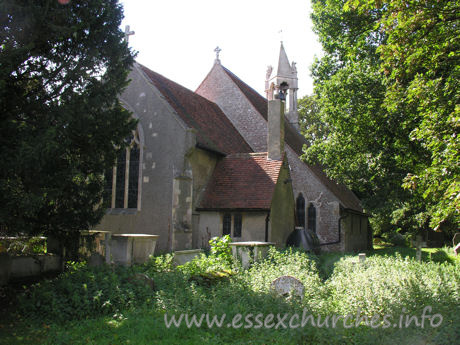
(227, 224)
(237, 224)
(300, 210)
(312, 218)
(122, 182)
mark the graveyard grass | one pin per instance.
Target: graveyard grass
(105, 306)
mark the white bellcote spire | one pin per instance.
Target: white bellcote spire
(284, 80)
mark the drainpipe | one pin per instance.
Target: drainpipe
(340, 230)
(267, 221)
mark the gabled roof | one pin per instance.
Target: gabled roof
(214, 130)
(296, 142)
(242, 182)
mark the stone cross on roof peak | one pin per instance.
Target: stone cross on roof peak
(217, 50)
(128, 33)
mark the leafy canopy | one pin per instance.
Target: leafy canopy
(387, 92)
(61, 70)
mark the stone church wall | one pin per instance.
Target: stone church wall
(282, 209)
(164, 147)
(219, 88)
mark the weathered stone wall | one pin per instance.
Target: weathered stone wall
(252, 228)
(282, 209)
(202, 164)
(210, 225)
(164, 145)
(220, 89)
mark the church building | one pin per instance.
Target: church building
(224, 160)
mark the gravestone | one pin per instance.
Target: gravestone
(286, 285)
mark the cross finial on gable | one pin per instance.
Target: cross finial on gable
(217, 50)
(128, 33)
(280, 33)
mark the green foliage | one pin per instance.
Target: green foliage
(84, 292)
(23, 245)
(387, 92)
(311, 125)
(62, 68)
(384, 284)
(289, 262)
(420, 62)
(162, 263)
(395, 238)
(220, 247)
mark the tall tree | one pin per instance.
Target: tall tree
(367, 147)
(311, 125)
(388, 93)
(421, 60)
(62, 67)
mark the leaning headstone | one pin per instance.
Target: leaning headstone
(288, 285)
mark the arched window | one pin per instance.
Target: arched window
(122, 182)
(312, 218)
(300, 210)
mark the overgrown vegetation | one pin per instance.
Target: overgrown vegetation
(120, 309)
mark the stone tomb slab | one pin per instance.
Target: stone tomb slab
(183, 256)
(128, 249)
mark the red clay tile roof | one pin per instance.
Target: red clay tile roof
(243, 182)
(214, 129)
(296, 142)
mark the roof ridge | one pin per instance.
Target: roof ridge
(214, 130)
(296, 141)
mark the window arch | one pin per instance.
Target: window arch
(300, 210)
(122, 182)
(312, 218)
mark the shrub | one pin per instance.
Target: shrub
(161, 263)
(220, 247)
(219, 259)
(384, 285)
(84, 292)
(395, 238)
